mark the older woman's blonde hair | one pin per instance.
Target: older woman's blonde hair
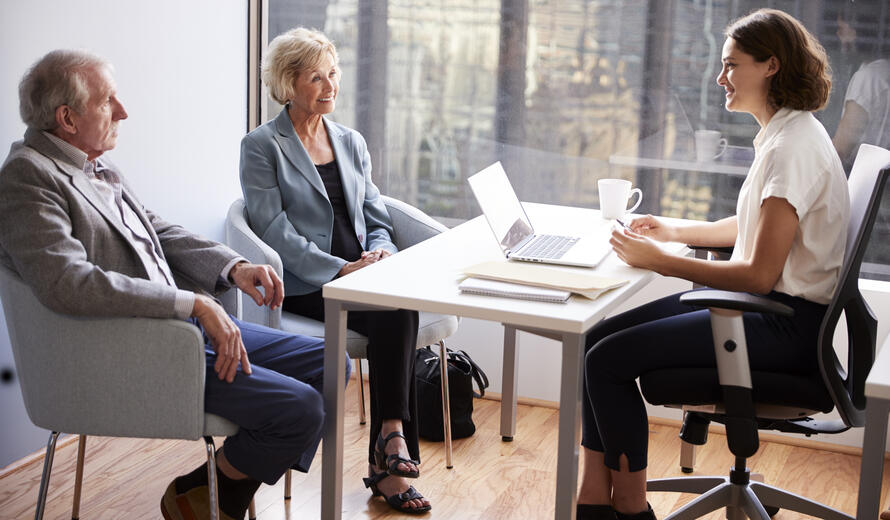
(290, 53)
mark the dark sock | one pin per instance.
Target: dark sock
(196, 478)
(594, 512)
(648, 514)
(235, 495)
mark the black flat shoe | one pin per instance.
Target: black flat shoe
(390, 463)
(594, 512)
(398, 500)
(648, 514)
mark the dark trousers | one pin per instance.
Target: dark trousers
(668, 334)
(392, 340)
(278, 407)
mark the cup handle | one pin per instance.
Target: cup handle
(722, 148)
(639, 199)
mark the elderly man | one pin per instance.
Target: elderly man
(78, 236)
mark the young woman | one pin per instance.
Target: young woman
(788, 237)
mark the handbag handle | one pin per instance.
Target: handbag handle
(477, 373)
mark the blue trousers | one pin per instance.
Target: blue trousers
(668, 334)
(278, 407)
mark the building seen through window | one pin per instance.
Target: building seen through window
(564, 93)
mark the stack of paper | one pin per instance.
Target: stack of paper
(512, 290)
(584, 284)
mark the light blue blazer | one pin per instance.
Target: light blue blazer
(288, 206)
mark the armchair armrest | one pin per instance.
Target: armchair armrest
(242, 239)
(738, 301)
(410, 225)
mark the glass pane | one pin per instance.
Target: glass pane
(565, 93)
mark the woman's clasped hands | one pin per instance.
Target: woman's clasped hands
(367, 258)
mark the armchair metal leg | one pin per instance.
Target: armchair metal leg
(78, 476)
(211, 477)
(47, 470)
(446, 402)
(361, 391)
(287, 485)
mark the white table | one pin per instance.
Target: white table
(738, 168)
(425, 278)
(877, 411)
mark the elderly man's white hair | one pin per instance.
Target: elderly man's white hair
(54, 80)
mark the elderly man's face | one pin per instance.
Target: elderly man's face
(96, 127)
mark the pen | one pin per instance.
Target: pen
(625, 226)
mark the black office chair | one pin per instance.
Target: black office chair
(745, 400)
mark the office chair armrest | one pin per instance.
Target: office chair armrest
(735, 301)
(715, 252)
(410, 225)
(119, 377)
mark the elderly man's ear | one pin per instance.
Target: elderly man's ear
(65, 119)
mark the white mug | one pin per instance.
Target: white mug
(707, 143)
(614, 194)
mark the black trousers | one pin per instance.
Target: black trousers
(392, 340)
(666, 333)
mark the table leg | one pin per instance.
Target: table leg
(508, 395)
(334, 405)
(876, 413)
(569, 426)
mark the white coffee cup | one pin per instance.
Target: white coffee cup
(614, 194)
(708, 145)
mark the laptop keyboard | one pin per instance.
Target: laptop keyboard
(548, 246)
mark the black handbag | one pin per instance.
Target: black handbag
(462, 371)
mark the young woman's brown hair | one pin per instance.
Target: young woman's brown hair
(803, 81)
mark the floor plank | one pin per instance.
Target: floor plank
(491, 479)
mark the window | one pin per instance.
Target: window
(564, 93)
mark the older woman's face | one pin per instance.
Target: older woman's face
(745, 80)
(316, 89)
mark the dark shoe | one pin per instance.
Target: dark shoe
(193, 504)
(398, 500)
(649, 514)
(594, 512)
(390, 463)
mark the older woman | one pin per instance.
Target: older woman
(791, 215)
(308, 189)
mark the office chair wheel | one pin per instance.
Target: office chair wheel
(771, 510)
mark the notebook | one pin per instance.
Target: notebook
(486, 287)
(514, 232)
(587, 285)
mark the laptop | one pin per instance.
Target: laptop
(515, 234)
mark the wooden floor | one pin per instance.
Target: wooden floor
(125, 478)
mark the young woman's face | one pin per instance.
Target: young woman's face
(745, 80)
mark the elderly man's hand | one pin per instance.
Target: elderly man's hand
(225, 337)
(250, 276)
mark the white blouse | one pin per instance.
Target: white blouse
(795, 160)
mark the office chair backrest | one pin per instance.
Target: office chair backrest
(846, 388)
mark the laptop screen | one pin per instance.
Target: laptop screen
(500, 205)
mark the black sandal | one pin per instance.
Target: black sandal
(390, 463)
(398, 500)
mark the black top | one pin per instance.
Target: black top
(344, 243)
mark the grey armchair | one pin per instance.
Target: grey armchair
(120, 377)
(411, 226)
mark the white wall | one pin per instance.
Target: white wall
(181, 69)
